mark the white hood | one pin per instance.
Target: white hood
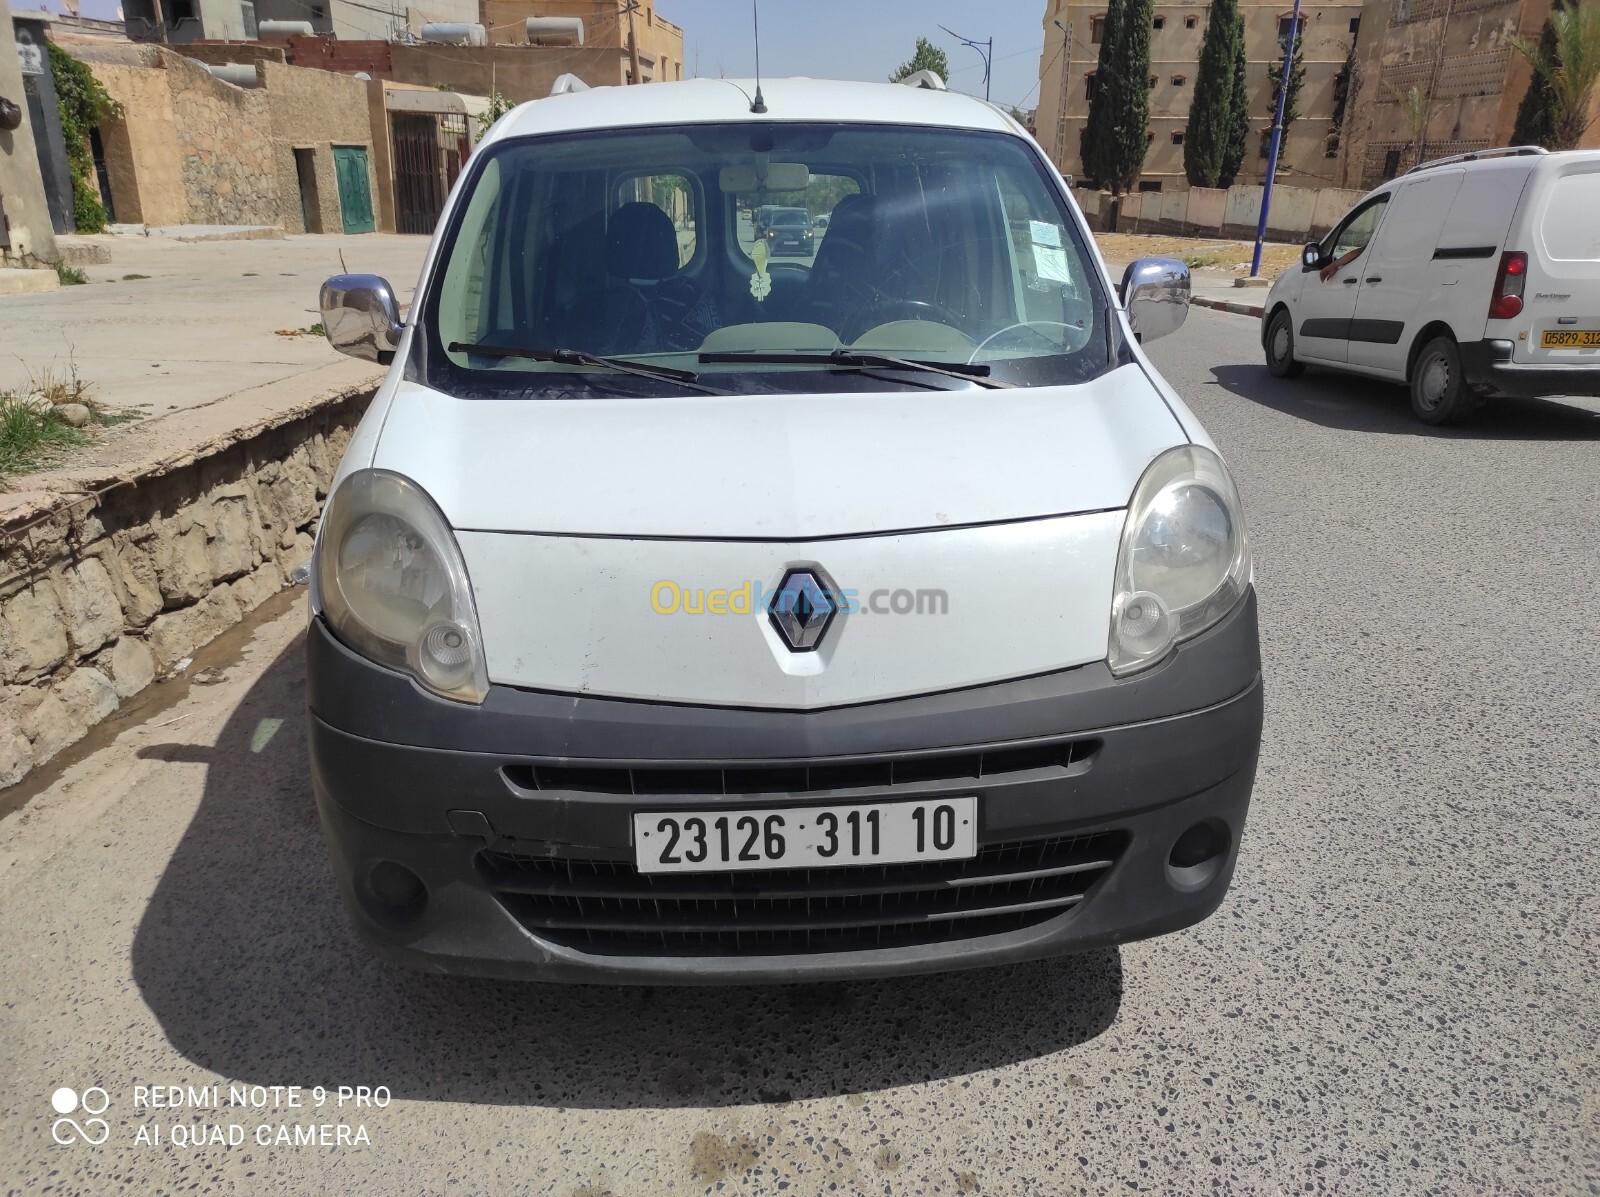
(777, 467)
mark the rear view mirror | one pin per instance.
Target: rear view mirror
(1155, 293)
(779, 176)
(1311, 256)
(360, 317)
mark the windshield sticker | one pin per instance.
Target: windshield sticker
(1049, 255)
(760, 281)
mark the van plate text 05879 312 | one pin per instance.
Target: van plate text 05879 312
(805, 837)
(1570, 338)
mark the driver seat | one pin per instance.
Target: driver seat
(840, 282)
(640, 251)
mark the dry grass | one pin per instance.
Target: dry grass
(1197, 253)
(32, 432)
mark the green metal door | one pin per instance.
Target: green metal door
(355, 193)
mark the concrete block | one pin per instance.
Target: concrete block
(132, 665)
(1206, 209)
(88, 696)
(16, 757)
(183, 566)
(33, 637)
(177, 634)
(141, 587)
(27, 282)
(83, 251)
(50, 727)
(89, 602)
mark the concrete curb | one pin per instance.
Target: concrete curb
(1222, 305)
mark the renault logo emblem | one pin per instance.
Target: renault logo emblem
(802, 608)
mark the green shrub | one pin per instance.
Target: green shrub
(83, 104)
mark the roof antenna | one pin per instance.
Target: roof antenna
(758, 105)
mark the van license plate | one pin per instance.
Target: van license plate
(1570, 338)
(805, 837)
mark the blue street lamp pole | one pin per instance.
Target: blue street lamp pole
(1277, 139)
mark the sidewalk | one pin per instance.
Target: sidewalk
(185, 336)
(1213, 265)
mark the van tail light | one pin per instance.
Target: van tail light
(1508, 281)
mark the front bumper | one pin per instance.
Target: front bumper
(497, 840)
(1489, 370)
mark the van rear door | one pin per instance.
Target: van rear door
(1561, 302)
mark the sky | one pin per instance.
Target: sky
(839, 39)
(864, 39)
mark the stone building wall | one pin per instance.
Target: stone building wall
(315, 110)
(143, 162)
(31, 237)
(225, 144)
(97, 602)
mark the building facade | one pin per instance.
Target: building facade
(27, 235)
(1313, 147)
(606, 24)
(182, 21)
(1439, 77)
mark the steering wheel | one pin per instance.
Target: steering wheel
(1031, 328)
(885, 310)
(624, 314)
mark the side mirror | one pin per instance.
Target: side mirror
(361, 318)
(1155, 292)
(1311, 256)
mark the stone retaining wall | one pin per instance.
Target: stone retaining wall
(103, 597)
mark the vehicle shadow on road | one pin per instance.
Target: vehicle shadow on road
(1356, 404)
(246, 960)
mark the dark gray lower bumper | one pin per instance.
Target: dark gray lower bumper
(1489, 370)
(432, 786)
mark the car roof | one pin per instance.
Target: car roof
(706, 101)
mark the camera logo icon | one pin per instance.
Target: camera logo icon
(92, 1130)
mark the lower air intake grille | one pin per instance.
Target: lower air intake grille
(609, 907)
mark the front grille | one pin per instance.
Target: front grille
(754, 778)
(609, 907)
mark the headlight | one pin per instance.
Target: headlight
(1184, 560)
(392, 584)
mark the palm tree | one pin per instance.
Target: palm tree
(1571, 72)
(1416, 110)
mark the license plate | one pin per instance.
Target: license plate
(805, 837)
(1570, 338)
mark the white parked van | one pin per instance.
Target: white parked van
(1467, 277)
(680, 614)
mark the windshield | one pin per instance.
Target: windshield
(671, 246)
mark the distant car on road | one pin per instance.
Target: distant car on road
(1467, 277)
(820, 224)
(788, 230)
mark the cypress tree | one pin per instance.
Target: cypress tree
(1116, 134)
(1238, 117)
(1205, 139)
(1537, 114)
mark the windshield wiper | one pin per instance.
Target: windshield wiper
(856, 359)
(578, 357)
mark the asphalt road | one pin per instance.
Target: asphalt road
(1399, 995)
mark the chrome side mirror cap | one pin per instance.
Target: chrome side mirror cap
(1311, 256)
(1155, 293)
(361, 318)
